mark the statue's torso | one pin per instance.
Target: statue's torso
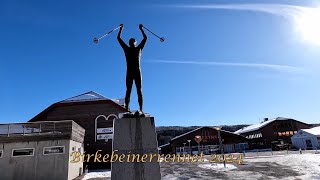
(133, 55)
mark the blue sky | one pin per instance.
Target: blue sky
(223, 62)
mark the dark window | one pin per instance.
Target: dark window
(22, 152)
(53, 150)
(308, 142)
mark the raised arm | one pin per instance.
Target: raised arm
(123, 44)
(144, 40)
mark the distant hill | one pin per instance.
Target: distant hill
(166, 133)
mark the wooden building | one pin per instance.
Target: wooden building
(209, 142)
(87, 109)
(271, 132)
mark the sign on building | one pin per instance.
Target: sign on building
(53, 150)
(104, 136)
(105, 130)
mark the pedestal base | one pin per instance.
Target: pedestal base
(136, 139)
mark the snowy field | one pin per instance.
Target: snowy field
(280, 165)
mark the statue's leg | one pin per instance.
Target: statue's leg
(138, 82)
(129, 81)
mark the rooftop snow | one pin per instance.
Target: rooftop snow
(89, 96)
(314, 131)
(119, 101)
(255, 127)
(164, 145)
(185, 133)
(196, 130)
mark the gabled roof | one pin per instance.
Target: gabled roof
(314, 131)
(186, 133)
(177, 137)
(85, 98)
(121, 102)
(88, 96)
(164, 145)
(255, 127)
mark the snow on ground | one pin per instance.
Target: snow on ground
(284, 166)
(293, 166)
(217, 166)
(308, 165)
(97, 175)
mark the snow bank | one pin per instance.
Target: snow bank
(92, 175)
(306, 164)
(218, 166)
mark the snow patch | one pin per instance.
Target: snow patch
(218, 166)
(92, 175)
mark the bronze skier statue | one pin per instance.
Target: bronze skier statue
(133, 55)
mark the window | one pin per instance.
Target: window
(287, 133)
(23, 152)
(53, 150)
(1, 152)
(283, 133)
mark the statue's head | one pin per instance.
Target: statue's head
(132, 42)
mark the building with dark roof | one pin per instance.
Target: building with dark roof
(90, 110)
(187, 143)
(271, 132)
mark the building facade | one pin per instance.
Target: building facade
(40, 150)
(270, 133)
(307, 138)
(206, 140)
(93, 112)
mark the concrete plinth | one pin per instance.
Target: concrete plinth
(133, 137)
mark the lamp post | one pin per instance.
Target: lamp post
(184, 147)
(220, 142)
(189, 145)
(198, 140)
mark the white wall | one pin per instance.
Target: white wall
(299, 140)
(75, 169)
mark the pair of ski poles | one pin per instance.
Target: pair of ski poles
(96, 40)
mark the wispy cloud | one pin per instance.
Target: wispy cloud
(276, 67)
(283, 10)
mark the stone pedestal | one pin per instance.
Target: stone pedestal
(135, 137)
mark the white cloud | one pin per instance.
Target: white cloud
(284, 10)
(277, 67)
(305, 19)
